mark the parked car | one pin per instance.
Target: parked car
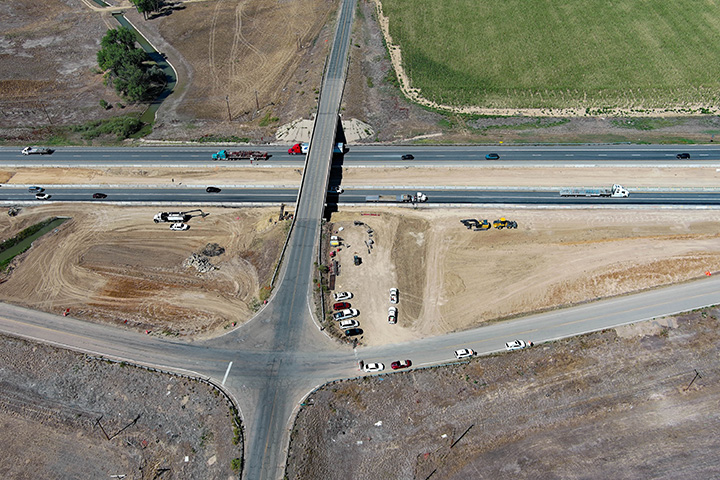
(373, 367)
(36, 189)
(351, 332)
(400, 364)
(492, 156)
(393, 295)
(357, 260)
(464, 353)
(515, 345)
(345, 324)
(99, 195)
(682, 156)
(341, 306)
(339, 296)
(392, 315)
(213, 190)
(345, 314)
(42, 196)
(179, 226)
(337, 190)
(408, 157)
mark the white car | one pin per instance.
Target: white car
(179, 226)
(464, 353)
(373, 367)
(339, 296)
(42, 196)
(337, 190)
(348, 324)
(515, 345)
(393, 295)
(345, 314)
(392, 315)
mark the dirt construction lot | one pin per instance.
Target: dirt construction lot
(451, 278)
(615, 404)
(115, 265)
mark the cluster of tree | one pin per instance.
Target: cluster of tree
(128, 67)
(148, 6)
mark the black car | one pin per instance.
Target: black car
(351, 332)
(408, 157)
(99, 195)
(682, 156)
(212, 190)
(492, 156)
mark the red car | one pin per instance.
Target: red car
(401, 364)
(341, 306)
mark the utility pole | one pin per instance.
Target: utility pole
(257, 102)
(227, 100)
(46, 114)
(697, 375)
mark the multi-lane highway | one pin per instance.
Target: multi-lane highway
(358, 155)
(351, 196)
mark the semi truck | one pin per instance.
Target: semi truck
(302, 148)
(419, 197)
(240, 155)
(37, 151)
(174, 217)
(615, 191)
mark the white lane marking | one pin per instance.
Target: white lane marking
(226, 373)
(569, 155)
(635, 155)
(537, 154)
(602, 154)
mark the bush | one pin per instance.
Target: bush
(236, 465)
(105, 105)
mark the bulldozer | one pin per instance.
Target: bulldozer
(504, 223)
(484, 225)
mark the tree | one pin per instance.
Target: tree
(127, 66)
(147, 6)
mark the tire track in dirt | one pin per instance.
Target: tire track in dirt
(212, 66)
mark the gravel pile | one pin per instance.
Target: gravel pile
(200, 262)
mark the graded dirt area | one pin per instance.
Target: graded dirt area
(622, 403)
(66, 415)
(115, 265)
(451, 278)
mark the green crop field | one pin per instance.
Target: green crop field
(560, 54)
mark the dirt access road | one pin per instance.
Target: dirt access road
(622, 403)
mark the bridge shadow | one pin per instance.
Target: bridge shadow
(336, 172)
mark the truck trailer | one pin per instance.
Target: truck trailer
(302, 148)
(417, 198)
(240, 155)
(615, 191)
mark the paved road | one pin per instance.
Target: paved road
(144, 157)
(437, 195)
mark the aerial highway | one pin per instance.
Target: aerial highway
(383, 155)
(351, 196)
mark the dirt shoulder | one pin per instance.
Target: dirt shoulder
(115, 265)
(67, 405)
(620, 403)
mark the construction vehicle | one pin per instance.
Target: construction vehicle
(241, 155)
(473, 224)
(504, 223)
(13, 211)
(302, 148)
(177, 217)
(419, 197)
(615, 191)
(37, 151)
